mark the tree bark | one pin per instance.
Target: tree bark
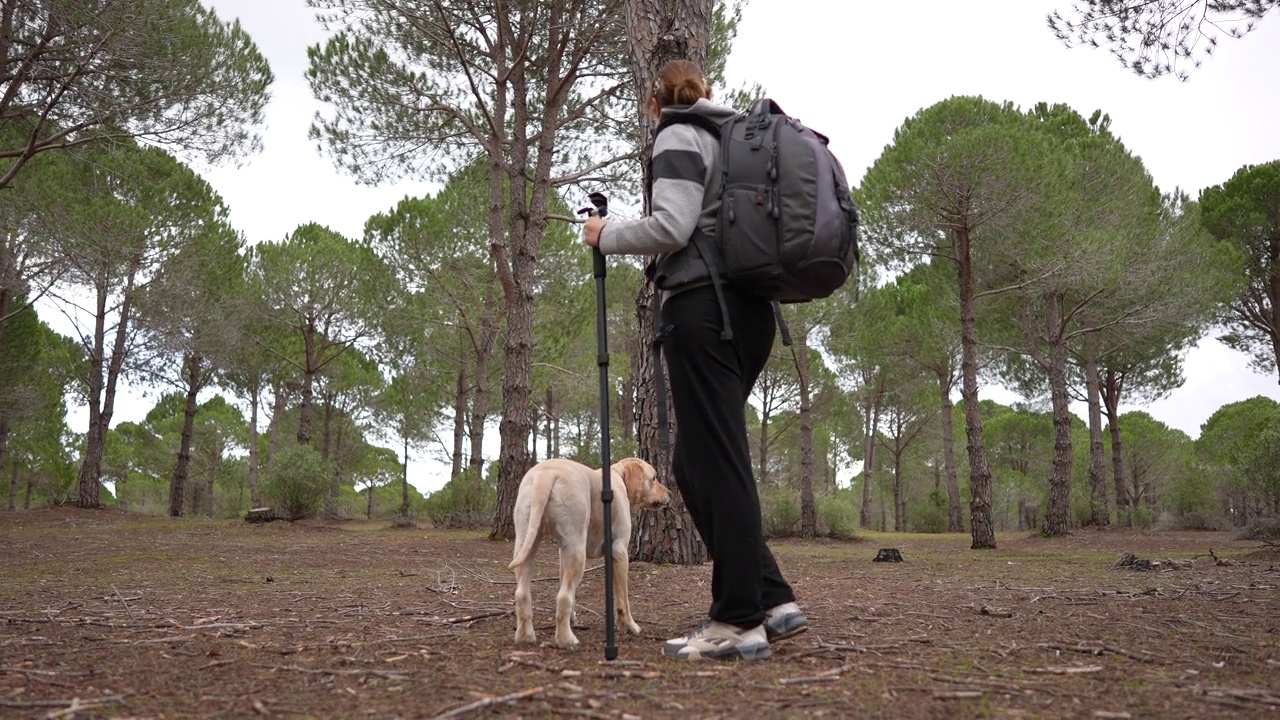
(404, 481)
(273, 425)
(479, 414)
(1112, 388)
(955, 517)
(661, 30)
(870, 423)
(762, 452)
(308, 383)
(255, 481)
(4, 454)
(982, 528)
(13, 483)
(1058, 512)
(1099, 514)
(178, 483)
(102, 395)
(459, 421)
(808, 508)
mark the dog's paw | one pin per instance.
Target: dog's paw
(633, 628)
(526, 636)
(569, 642)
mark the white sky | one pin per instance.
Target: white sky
(854, 71)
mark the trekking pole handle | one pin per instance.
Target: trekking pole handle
(599, 208)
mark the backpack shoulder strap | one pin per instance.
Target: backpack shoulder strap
(678, 118)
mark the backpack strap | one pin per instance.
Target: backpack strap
(698, 241)
(660, 379)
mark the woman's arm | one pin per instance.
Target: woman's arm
(679, 174)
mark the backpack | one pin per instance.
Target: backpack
(787, 229)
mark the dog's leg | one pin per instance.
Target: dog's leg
(623, 610)
(573, 561)
(524, 602)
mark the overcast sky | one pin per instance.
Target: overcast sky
(854, 71)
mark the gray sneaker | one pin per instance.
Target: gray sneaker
(717, 641)
(784, 621)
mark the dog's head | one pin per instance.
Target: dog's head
(644, 492)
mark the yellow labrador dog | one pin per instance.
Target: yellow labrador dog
(562, 497)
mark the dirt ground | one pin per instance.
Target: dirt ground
(107, 614)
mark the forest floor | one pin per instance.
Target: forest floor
(108, 614)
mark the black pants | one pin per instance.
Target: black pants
(711, 380)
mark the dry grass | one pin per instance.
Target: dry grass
(105, 614)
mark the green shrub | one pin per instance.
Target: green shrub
(296, 485)
(466, 501)
(838, 515)
(1194, 520)
(1267, 528)
(1142, 519)
(929, 515)
(779, 511)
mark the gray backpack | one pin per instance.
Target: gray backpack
(787, 228)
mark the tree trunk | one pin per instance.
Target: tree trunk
(329, 453)
(548, 411)
(211, 476)
(762, 452)
(661, 30)
(1058, 513)
(13, 483)
(273, 425)
(955, 517)
(1112, 387)
(627, 400)
(480, 406)
(4, 447)
(513, 430)
(870, 423)
(89, 480)
(308, 383)
(459, 421)
(255, 482)
(982, 529)
(404, 481)
(178, 483)
(808, 509)
(899, 496)
(1099, 514)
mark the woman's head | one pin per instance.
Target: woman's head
(679, 82)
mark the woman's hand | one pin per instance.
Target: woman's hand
(591, 230)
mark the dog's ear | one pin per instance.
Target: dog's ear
(633, 479)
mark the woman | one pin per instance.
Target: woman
(711, 377)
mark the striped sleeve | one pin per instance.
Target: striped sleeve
(679, 174)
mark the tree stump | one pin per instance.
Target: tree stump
(260, 515)
(888, 555)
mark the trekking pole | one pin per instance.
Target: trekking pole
(600, 209)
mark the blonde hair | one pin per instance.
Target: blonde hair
(679, 82)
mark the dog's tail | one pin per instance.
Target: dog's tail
(537, 505)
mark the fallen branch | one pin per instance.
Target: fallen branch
(384, 674)
(1098, 650)
(824, 676)
(490, 579)
(73, 703)
(125, 604)
(486, 702)
(479, 616)
(1065, 670)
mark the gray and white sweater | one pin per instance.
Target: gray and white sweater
(684, 199)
